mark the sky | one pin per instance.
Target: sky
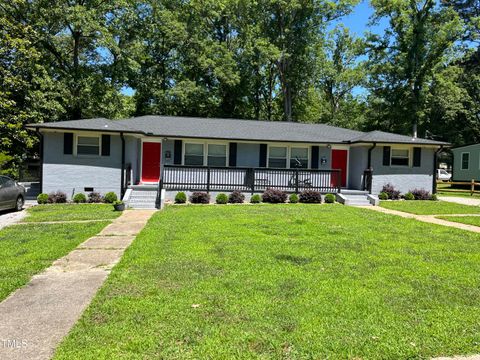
(356, 21)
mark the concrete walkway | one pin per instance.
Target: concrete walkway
(35, 318)
(427, 218)
(461, 200)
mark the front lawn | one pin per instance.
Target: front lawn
(26, 250)
(285, 281)
(430, 207)
(69, 212)
(469, 220)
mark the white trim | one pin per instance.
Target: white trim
(75, 144)
(150, 140)
(409, 149)
(461, 160)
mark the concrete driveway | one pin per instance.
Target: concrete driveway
(11, 217)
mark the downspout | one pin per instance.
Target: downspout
(122, 177)
(40, 135)
(369, 168)
(435, 164)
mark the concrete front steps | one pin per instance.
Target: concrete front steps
(357, 198)
(141, 197)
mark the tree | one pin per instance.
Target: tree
(420, 37)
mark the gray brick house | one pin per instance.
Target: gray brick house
(182, 153)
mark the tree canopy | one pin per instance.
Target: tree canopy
(274, 60)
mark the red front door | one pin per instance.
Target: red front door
(339, 161)
(151, 155)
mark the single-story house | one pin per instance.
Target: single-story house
(466, 163)
(185, 153)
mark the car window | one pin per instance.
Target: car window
(9, 183)
(3, 180)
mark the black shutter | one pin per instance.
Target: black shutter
(68, 143)
(105, 145)
(177, 152)
(262, 161)
(417, 157)
(315, 157)
(232, 155)
(386, 156)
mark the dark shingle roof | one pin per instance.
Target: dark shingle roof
(233, 129)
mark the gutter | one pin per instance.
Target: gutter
(122, 176)
(40, 136)
(369, 166)
(435, 165)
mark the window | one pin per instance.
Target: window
(88, 145)
(298, 158)
(277, 157)
(400, 157)
(193, 154)
(217, 155)
(465, 161)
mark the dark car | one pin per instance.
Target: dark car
(12, 195)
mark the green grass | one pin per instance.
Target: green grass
(69, 212)
(26, 250)
(469, 220)
(430, 207)
(285, 282)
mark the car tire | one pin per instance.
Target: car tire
(19, 204)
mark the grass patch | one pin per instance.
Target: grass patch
(26, 250)
(427, 207)
(469, 220)
(69, 212)
(293, 282)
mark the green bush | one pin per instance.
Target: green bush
(110, 197)
(434, 197)
(256, 199)
(383, 196)
(42, 198)
(293, 198)
(79, 198)
(236, 197)
(221, 199)
(409, 196)
(329, 199)
(180, 198)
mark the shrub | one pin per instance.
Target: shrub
(79, 198)
(200, 198)
(57, 198)
(256, 199)
(42, 198)
(274, 196)
(421, 194)
(110, 197)
(95, 197)
(434, 197)
(409, 196)
(310, 197)
(180, 198)
(221, 199)
(236, 197)
(383, 196)
(293, 198)
(390, 190)
(329, 199)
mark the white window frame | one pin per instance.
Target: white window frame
(409, 157)
(289, 154)
(99, 137)
(226, 154)
(299, 147)
(461, 161)
(205, 145)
